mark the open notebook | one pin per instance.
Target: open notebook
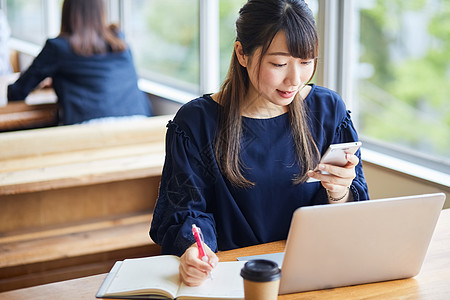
(157, 277)
(354, 243)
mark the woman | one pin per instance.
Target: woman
(237, 161)
(91, 68)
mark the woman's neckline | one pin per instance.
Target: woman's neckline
(312, 87)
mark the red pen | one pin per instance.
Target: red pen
(197, 232)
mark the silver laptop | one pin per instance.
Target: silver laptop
(354, 243)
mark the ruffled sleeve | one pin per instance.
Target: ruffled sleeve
(346, 132)
(183, 193)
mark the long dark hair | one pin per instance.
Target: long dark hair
(258, 23)
(83, 23)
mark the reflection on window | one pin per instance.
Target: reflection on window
(164, 37)
(26, 19)
(404, 74)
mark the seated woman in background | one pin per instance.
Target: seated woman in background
(91, 68)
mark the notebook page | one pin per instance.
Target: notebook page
(140, 275)
(226, 283)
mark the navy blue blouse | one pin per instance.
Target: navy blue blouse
(193, 191)
(88, 87)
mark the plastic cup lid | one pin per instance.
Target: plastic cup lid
(261, 270)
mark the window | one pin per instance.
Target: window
(228, 14)
(26, 20)
(389, 60)
(402, 78)
(164, 37)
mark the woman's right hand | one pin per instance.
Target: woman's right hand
(193, 270)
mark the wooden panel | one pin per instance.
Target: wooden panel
(68, 241)
(73, 250)
(79, 155)
(91, 168)
(72, 138)
(31, 211)
(74, 199)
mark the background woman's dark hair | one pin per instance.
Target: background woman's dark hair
(258, 23)
(83, 23)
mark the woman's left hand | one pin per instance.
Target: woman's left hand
(338, 179)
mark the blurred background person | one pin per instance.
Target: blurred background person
(91, 68)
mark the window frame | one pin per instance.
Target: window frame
(336, 21)
(208, 48)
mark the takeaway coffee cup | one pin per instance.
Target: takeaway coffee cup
(261, 279)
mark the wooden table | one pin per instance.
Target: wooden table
(433, 282)
(39, 109)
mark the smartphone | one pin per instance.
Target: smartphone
(335, 155)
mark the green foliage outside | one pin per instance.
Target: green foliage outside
(166, 39)
(406, 101)
(228, 13)
(168, 43)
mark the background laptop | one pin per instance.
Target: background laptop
(354, 243)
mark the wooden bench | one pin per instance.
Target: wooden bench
(74, 250)
(78, 155)
(74, 199)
